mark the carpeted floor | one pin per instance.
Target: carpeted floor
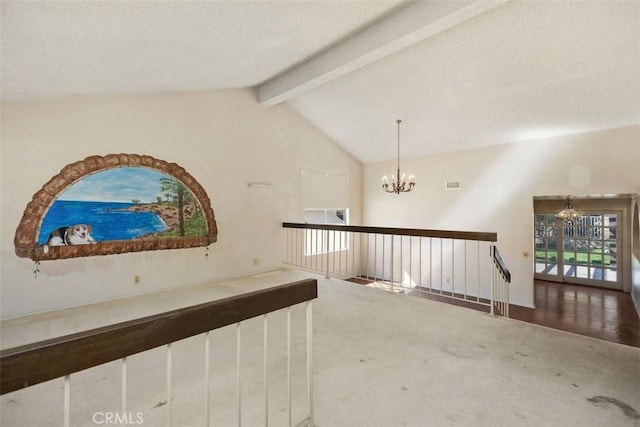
(381, 359)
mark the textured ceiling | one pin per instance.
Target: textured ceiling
(458, 74)
(521, 71)
(62, 48)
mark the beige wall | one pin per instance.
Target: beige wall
(635, 253)
(498, 185)
(223, 138)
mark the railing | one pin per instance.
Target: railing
(501, 284)
(452, 264)
(35, 363)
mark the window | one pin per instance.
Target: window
(323, 241)
(588, 251)
(546, 243)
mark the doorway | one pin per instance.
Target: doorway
(587, 251)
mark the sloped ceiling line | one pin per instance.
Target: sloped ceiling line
(405, 27)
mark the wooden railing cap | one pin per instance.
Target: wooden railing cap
(34, 363)
(416, 232)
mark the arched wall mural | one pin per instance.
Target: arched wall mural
(113, 204)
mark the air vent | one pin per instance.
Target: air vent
(453, 185)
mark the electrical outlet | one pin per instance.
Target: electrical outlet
(136, 279)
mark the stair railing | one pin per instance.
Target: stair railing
(451, 264)
(31, 364)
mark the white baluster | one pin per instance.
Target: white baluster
(430, 263)
(124, 385)
(317, 251)
(441, 266)
(266, 367)
(493, 279)
(289, 364)
(478, 277)
(67, 398)
(169, 391)
(325, 237)
(420, 261)
(465, 270)
(375, 256)
(207, 374)
(310, 360)
(410, 261)
(333, 269)
(352, 247)
(238, 373)
(453, 268)
(382, 257)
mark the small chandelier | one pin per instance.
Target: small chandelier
(568, 214)
(398, 184)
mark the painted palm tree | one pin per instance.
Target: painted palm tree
(174, 191)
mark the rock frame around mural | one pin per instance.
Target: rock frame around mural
(26, 237)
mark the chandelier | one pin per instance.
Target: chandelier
(398, 184)
(568, 214)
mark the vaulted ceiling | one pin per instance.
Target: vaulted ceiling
(460, 74)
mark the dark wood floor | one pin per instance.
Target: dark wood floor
(595, 312)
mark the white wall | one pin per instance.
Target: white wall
(635, 253)
(498, 185)
(223, 138)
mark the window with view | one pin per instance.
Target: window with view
(590, 250)
(324, 241)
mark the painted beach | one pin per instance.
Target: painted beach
(109, 220)
(126, 203)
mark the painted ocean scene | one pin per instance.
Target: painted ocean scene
(126, 203)
(110, 221)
